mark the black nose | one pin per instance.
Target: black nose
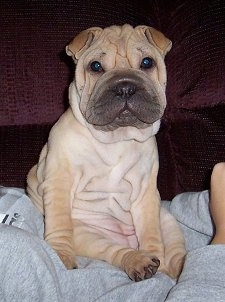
(125, 89)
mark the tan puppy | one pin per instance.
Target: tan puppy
(96, 178)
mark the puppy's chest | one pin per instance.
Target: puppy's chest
(110, 182)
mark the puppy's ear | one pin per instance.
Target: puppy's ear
(156, 38)
(82, 41)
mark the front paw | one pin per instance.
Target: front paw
(140, 265)
(68, 260)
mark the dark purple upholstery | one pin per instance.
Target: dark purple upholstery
(192, 139)
(35, 73)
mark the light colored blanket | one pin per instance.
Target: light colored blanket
(31, 271)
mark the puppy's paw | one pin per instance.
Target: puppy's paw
(140, 265)
(68, 260)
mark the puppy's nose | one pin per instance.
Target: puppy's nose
(125, 89)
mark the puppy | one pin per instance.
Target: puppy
(96, 179)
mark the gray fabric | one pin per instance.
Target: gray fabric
(192, 212)
(31, 271)
(203, 277)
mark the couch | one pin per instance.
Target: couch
(35, 73)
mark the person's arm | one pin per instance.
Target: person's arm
(217, 204)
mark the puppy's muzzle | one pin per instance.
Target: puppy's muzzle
(126, 100)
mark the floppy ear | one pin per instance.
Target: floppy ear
(156, 38)
(82, 41)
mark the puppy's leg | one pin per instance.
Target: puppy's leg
(57, 195)
(174, 243)
(146, 219)
(88, 242)
(52, 197)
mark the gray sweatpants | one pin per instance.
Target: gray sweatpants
(31, 271)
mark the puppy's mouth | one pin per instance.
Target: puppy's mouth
(124, 102)
(126, 118)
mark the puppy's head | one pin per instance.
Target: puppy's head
(120, 80)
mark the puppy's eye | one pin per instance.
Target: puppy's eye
(96, 66)
(147, 63)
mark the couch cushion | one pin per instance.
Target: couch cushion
(190, 144)
(196, 63)
(192, 137)
(20, 149)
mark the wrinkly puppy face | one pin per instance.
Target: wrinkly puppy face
(120, 78)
